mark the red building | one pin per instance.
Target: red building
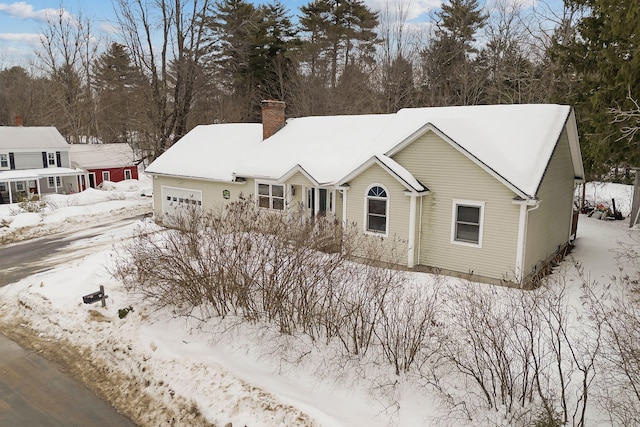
(104, 162)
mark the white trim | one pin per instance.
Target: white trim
(55, 159)
(107, 174)
(6, 154)
(297, 168)
(344, 206)
(412, 232)
(430, 127)
(367, 164)
(526, 206)
(271, 197)
(57, 182)
(366, 212)
(128, 172)
(454, 216)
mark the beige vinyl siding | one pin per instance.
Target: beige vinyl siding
(451, 175)
(398, 209)
(549, 226)
(299, 179)
(212, 192)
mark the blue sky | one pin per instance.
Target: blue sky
(22, 21)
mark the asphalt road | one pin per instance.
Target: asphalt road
(34, 391)
(20, 260)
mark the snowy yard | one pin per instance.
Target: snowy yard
(156, 368)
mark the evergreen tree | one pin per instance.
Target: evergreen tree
(339, 33)
(603, 59)
(448, 62)
(116, 83)
(249, 53)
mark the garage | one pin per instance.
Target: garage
(174, 198)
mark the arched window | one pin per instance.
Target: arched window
(377, 210)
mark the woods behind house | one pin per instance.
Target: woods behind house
(173, 66)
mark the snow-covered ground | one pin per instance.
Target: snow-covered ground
(161, 370)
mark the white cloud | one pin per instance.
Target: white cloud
(411, 9)
(23, 10)
(21, 37)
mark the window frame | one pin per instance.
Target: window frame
(56, 180)
(106, 176)
(20, 186)
(454, 222)
(51, 164)
(6, 156)
(270, 197)
(387, 200)
(128, 172)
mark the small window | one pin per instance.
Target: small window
(271, 196)
(3, 186)
(467, 222)
(106, 176)
(51, 159)
(19, 185)
(4, 161)
(377, 210)
(127, 174)
(53, 182)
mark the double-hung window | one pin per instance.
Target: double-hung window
(271, 196)
(4, 161)
(467, 222)
(377, 201)
(51, 159)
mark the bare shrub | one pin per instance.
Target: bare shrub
(617, 310)
(526, 354)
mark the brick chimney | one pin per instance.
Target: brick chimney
(19, 121)
(272, 117)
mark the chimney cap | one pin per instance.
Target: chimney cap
(273, 103)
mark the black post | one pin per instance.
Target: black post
(104, 297)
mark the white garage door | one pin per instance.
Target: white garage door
(175, 198)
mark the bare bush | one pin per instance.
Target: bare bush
(526, 355)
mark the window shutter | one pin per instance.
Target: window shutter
(58, 159)
(12, 161)
(45, 163)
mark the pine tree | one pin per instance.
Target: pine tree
(450, 74)
(603, 59)
(116, 82)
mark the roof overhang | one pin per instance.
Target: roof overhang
(394, 169)
(297, 168)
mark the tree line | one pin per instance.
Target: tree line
(178, 64)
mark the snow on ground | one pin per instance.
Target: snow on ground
(68, 212)
(159, 370)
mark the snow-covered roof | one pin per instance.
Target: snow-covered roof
(102, 156)
(512, 142)
(30, 174)
(31, 137)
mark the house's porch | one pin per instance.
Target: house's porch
(15, 184)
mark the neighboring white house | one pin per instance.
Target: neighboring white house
(482, 191)
(35, 160)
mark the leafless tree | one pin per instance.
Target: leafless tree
(68, 49)
(166, 41)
